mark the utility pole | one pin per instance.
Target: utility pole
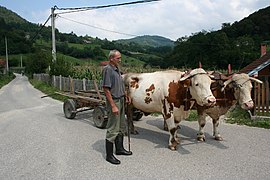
(21, 61)
(7, 69)
(53, 34)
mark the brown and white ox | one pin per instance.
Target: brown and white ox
(228, 91)
(168, 92)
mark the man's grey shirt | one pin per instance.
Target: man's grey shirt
(113, 80)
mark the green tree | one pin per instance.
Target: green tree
(98, 53)
(38, 62)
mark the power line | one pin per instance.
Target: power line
(126, 34)
(91, 8)
(41, 28)
(81, 9)
(72, 10)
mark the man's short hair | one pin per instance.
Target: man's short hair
(112, 53)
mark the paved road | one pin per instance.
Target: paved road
(38, 142)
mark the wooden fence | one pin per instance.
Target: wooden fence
(68, 83)
(261, 99)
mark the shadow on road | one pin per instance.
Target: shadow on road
(153, 132)
(188, 135)
(99, 146)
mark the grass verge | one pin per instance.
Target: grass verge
(242, 117)
(5, 79)
(47, 89)
(238, 116)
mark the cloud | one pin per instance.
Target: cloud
(169, 18)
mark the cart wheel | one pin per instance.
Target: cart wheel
(137, 116)
(100, 117)
(69, 108)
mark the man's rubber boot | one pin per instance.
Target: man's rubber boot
(109, 153)
(120, 147)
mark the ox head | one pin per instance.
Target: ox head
(199, 83)
(241, 83)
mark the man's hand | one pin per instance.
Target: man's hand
(128, 99)
(115, 110)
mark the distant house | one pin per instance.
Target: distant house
(259, 68)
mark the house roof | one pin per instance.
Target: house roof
(257, 65)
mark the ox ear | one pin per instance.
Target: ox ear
(256, 80)
(226, 83)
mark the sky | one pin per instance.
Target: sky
(172, 19)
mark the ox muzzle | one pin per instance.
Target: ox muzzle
(209, 101)
(247, 105)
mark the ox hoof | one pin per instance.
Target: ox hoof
(201, 139)
(218, 138)
(171, 147)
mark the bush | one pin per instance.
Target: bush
(61, 67)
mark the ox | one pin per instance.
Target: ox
(169, 92)
(228, 91)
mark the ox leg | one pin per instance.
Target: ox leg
(216, 133)
(131, 126)
(177, 120)
(165, 126)
(173, 140)
(202, 122)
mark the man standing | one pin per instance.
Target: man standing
(114, 89)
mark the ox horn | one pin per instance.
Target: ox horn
(226, 83)
(256, 80)
(193, 73)
(185, 77)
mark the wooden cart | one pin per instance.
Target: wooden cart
(79, 101)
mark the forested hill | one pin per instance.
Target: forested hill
(18, 32)
(154, 41)
(256, 24)
(23, 34)
(237, 44)
(10, 17)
